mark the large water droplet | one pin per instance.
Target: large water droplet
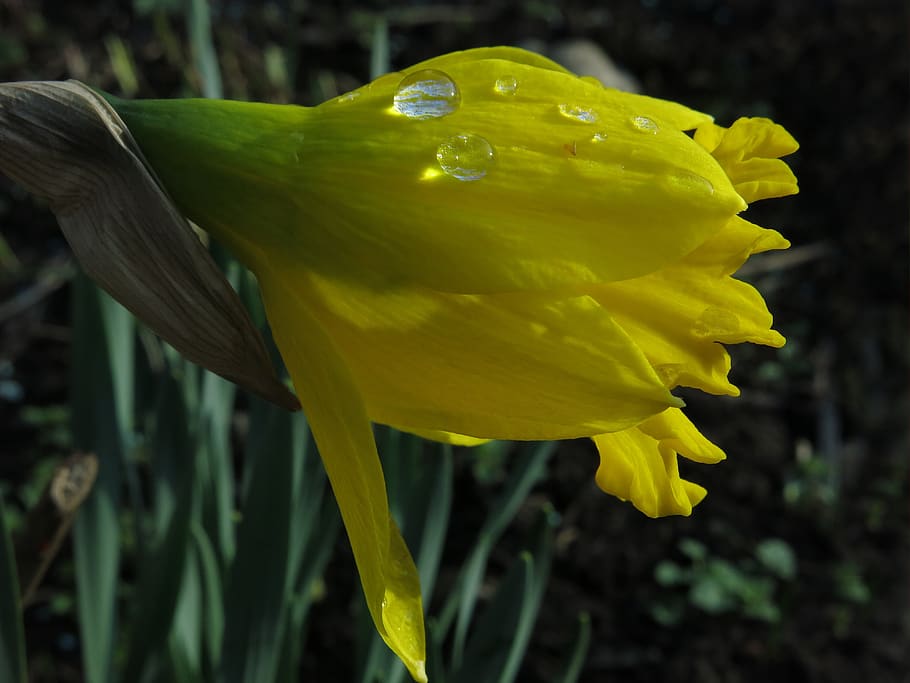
(507, 85)
(466, 156)
(715, 322)
(583, 114)
(426, 94)
(645, 125)
(692, 183)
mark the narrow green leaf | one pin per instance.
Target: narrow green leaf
(317, 553)
(543, 556)
(528, 469)
(101, 408)
(576, 659)
(492, 641)
(216, 473)
(12, 638)
(212, 595)
(161, 575)
(187, 634)
(199, 28)
(261, 574)
(380, 63)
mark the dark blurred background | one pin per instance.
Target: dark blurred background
(796, 565)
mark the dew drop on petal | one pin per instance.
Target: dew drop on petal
(692, 183)
(465, 156)
(583, 114)
(645, 125)
(715, 321)
(599, 137)
(347, 97)
(507, 85)
(426, 94)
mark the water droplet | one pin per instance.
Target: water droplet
(347, 97)
(507, 85)
(426, 94)
(692, 182)
(583, 114)
(599, 137)
(466, 156)
(645, 125)
(715, 322)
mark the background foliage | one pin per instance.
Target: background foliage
(211, 546)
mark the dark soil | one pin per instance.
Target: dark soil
(818, 442)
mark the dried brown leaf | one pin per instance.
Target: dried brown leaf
(64, 143)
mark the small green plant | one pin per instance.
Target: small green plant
(715, 585)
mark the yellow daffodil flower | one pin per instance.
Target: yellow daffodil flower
(484, 246)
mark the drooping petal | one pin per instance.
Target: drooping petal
(749, 152)
(341, 428)
(640, 464)
(504, 367)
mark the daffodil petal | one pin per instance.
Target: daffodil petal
(672, 114)
(640, 464)
(341, 428)
(658, 194)
(675, 431)
(501, 367)
(582, 185)
(677, 314)
(643, 470)
(444, 437)
(749, 152)
(503, 53)
(723, 253)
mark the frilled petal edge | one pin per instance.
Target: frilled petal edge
(749, 151)
(640, 464)
(678, 315)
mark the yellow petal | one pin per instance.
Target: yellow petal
(674, 430)
(499, 367)
(677, 314)
(582, 184)
(749, 153)
(561, 201)
(342, 432)
(725, 252)
(640, 465)
(500, 52)
(444, 437)
(671, 114)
